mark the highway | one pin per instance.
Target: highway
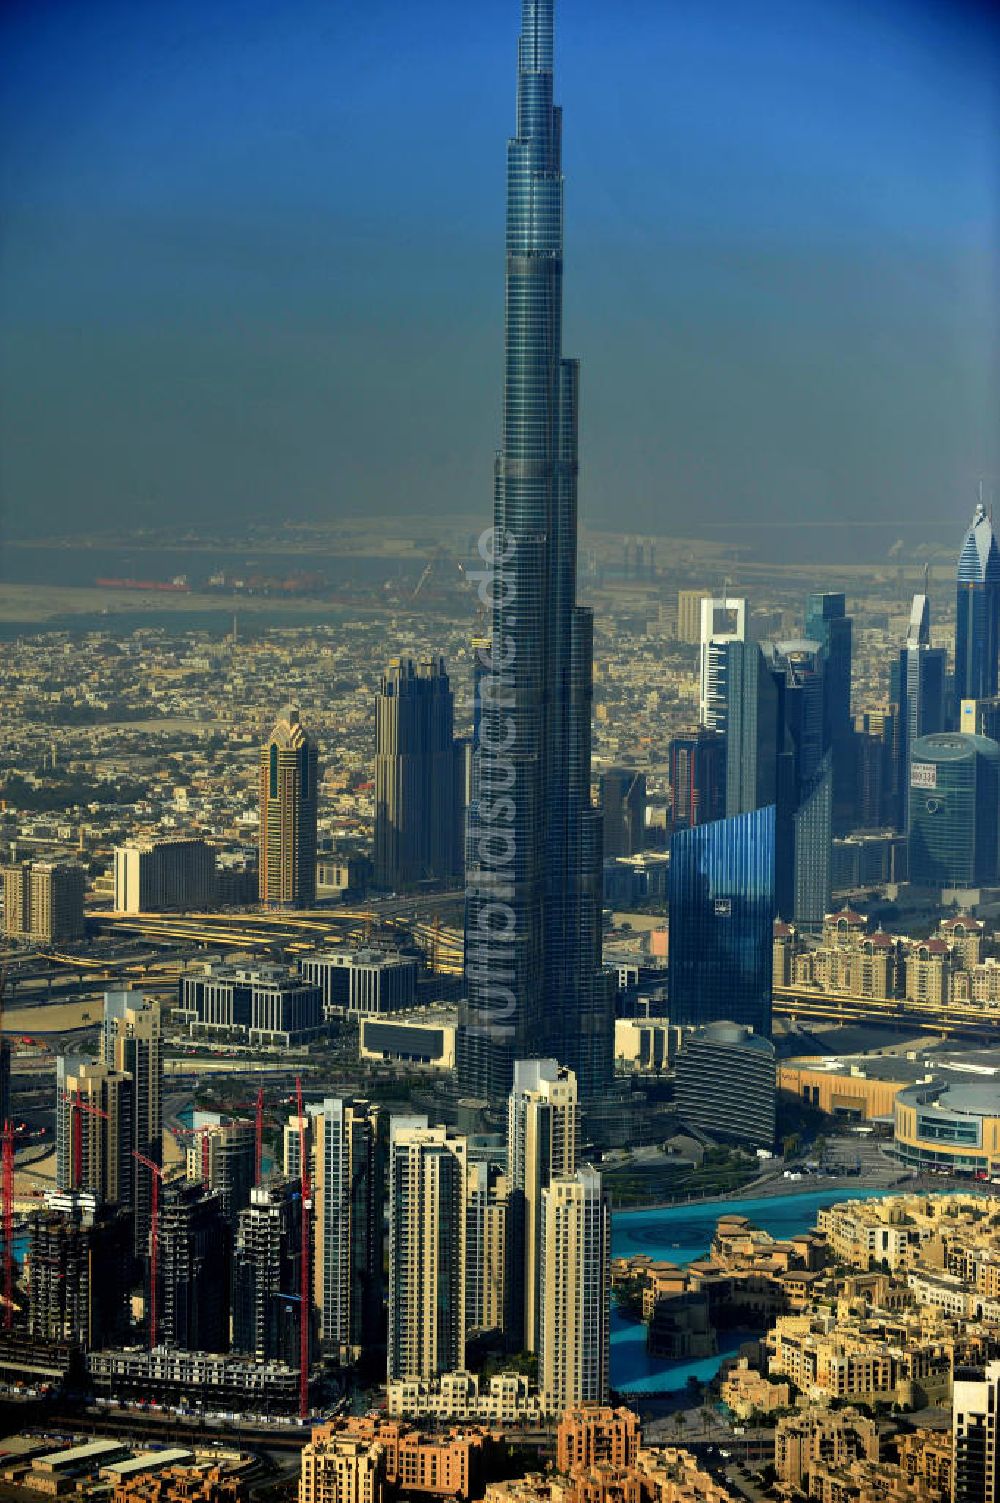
(301, 932)
(960, 1020)
(417, 920)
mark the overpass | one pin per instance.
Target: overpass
(295, 932)
(960, 1020)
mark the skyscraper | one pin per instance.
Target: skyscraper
(778, 754)
(267, 1269)
(827, 622)
(623, 809)
(697, 777)
(79, 1271)
(427, 1188)
(974, 1424)
(131, 1042)
(918, 690)
(574, 1344)
(754, 731)
(953, 825)
(288, 804)
(195, 1265)
(486, 1258)
(533, 930)
(222, 1159)
(977, 625)
(43, 900)
(94, 1105)
(542, 1134)
(349, 1199)
(418, 777)
(804, 799)
(723, 621)
(721, 906)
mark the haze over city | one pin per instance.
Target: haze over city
(250, 262)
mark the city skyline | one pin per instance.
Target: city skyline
(565, 1000)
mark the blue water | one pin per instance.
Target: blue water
(681, 1234)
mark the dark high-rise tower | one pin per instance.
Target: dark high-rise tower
(533, 936)
(623, 810)
(827, 622)
(721, 905)
(977, 626)
(418, 797)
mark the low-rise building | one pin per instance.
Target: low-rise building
(504, 1398)
(597, 1434)
(195, 1379)
(258, 1004)
(749, 1393)
(818, 1434)
(420, 1036)
(365, 1458)
(365, 982)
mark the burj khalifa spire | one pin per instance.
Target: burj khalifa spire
(535, 982)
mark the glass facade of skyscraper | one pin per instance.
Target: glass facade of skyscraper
(953, 811)
(721, 910)
(977, 626)
(533, 905)
(827, 622)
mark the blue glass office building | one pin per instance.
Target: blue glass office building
(954, 821)
(977, 627)
(722, 911)
(535, 981)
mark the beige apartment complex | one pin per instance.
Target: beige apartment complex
(427, 1200)
(43, 901)
(542, 1136)
(94, 1111)
(574, 1352)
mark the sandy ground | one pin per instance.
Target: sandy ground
(54, 1017)
(39, 1174)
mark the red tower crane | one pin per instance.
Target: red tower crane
(305, 1303)
(257, 1107)
(154, 1240)
(76, 1106)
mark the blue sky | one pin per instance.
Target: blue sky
(252, 263)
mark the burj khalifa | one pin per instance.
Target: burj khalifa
(535, 983)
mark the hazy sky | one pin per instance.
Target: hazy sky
(252, 257)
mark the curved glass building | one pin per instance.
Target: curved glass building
(533, 937)
(977, 626)
(953, 830)
(722, 912)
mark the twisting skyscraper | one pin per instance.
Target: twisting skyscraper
(533, 938)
